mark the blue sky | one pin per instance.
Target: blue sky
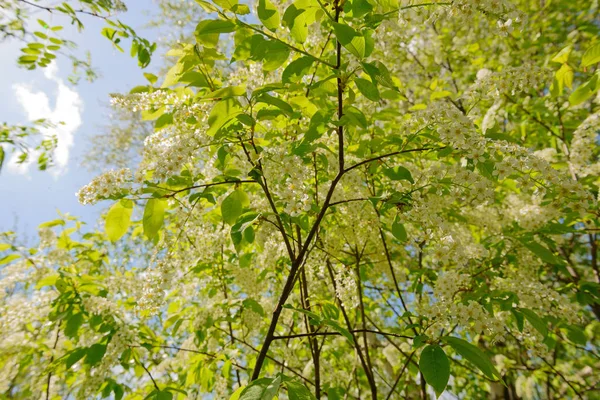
(30, 197)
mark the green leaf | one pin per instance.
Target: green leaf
(563, 55)
(474, 355)
(9, 258)
(233, 205)
(163, 395)
(1, 157)
(75, 356)
(118, 219)
(95, 354)
(257, 389)
(576, 335)
(368, 89)
(298, 16)
(398, 173)
(275, 101)
(224, 93)
(398, 230)
(73, 325)
(585, 91)
(535, 321)
(223, 112)
(359, 44)
(208, 31)
(296, 69)
(542, 252)
(435, 368)
(591, 55)
(268, 14)
(154, 217)
(297, 391)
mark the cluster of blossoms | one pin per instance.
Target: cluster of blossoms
(289, 175)
(346, 288)
(447, 310)
(111, 183)
(121, 340)
(534, 295)
(509, 81)
(528, 212)
(585, 140)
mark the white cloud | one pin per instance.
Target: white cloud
(66, 116)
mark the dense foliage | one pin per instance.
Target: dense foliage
(361, 199)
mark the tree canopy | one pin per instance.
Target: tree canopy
(357, 199)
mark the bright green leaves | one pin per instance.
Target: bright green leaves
(359, 44)
(299, 16)
(154, 217)
(585, 91)
(268, 14)
(208, 31)
(233, 206)
(591, 55)
(73, 324)
(243, 231)
(118, 219)
(367, 88)
(398, 173)
(268, 388)
(223, 112)
(297, 69)
(474, 355)
(435, 367)
(272, 53)
(398, 230)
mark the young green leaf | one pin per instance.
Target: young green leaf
(268, 14)
(435, 367)
(154, 217)
(591, 55)
(368, 89)
(398, 230)
(118, 219)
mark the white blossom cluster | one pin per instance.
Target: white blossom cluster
(447, 309)
(584, 145)
(346, 288)
(111, 183)
(509, 81)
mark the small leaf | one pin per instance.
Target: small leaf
(118, 219)
(95, 354)
(435, 367)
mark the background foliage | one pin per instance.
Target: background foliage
(357, 199)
